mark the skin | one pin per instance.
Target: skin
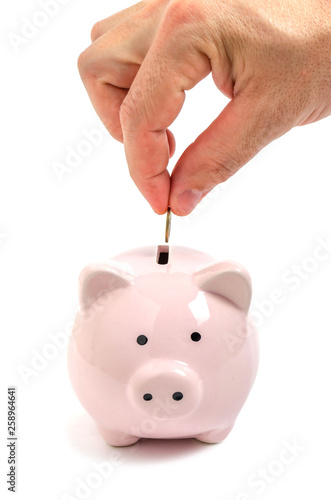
(271, 58)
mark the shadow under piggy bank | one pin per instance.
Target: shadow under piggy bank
(83, 435)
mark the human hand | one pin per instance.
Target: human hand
(271, 58)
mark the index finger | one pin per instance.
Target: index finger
(101, 27)
(154, 101)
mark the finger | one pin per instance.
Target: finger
(107, 83)
(107, 100)
(152, 104)
(171, 142)
(110, 22)
(243, 128)
(109, 66)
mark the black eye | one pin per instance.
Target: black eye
(195, 336)
(142, 339)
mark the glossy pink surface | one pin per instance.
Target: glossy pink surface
(133, 361)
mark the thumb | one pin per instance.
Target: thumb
(242, 129)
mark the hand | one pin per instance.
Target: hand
(272, 58)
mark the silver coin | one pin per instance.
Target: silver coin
(168, 226)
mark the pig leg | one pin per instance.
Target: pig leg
(117, 438)
(214, 436)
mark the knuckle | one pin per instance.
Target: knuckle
(96, 31)
(129, 111)
(223, 171)
(227, 168)
(82, 63)
(177, 10)
(87, 65)
(127, 114)
(219, 167)
(183, 11)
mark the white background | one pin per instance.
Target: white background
(270, 217)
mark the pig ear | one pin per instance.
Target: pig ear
(98, 279)
(228, 279)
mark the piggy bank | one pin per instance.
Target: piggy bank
(162, 346)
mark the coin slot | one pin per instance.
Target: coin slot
(162, 256)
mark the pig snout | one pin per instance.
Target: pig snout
(165, 389)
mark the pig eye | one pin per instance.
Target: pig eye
(195, 336)
(142, 339)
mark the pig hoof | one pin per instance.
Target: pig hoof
(117, 438)
(214, 436)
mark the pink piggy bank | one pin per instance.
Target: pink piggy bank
(162, 346)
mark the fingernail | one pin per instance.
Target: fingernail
(187, 200)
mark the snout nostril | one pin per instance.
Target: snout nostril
(147, 396)
(177, 396)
